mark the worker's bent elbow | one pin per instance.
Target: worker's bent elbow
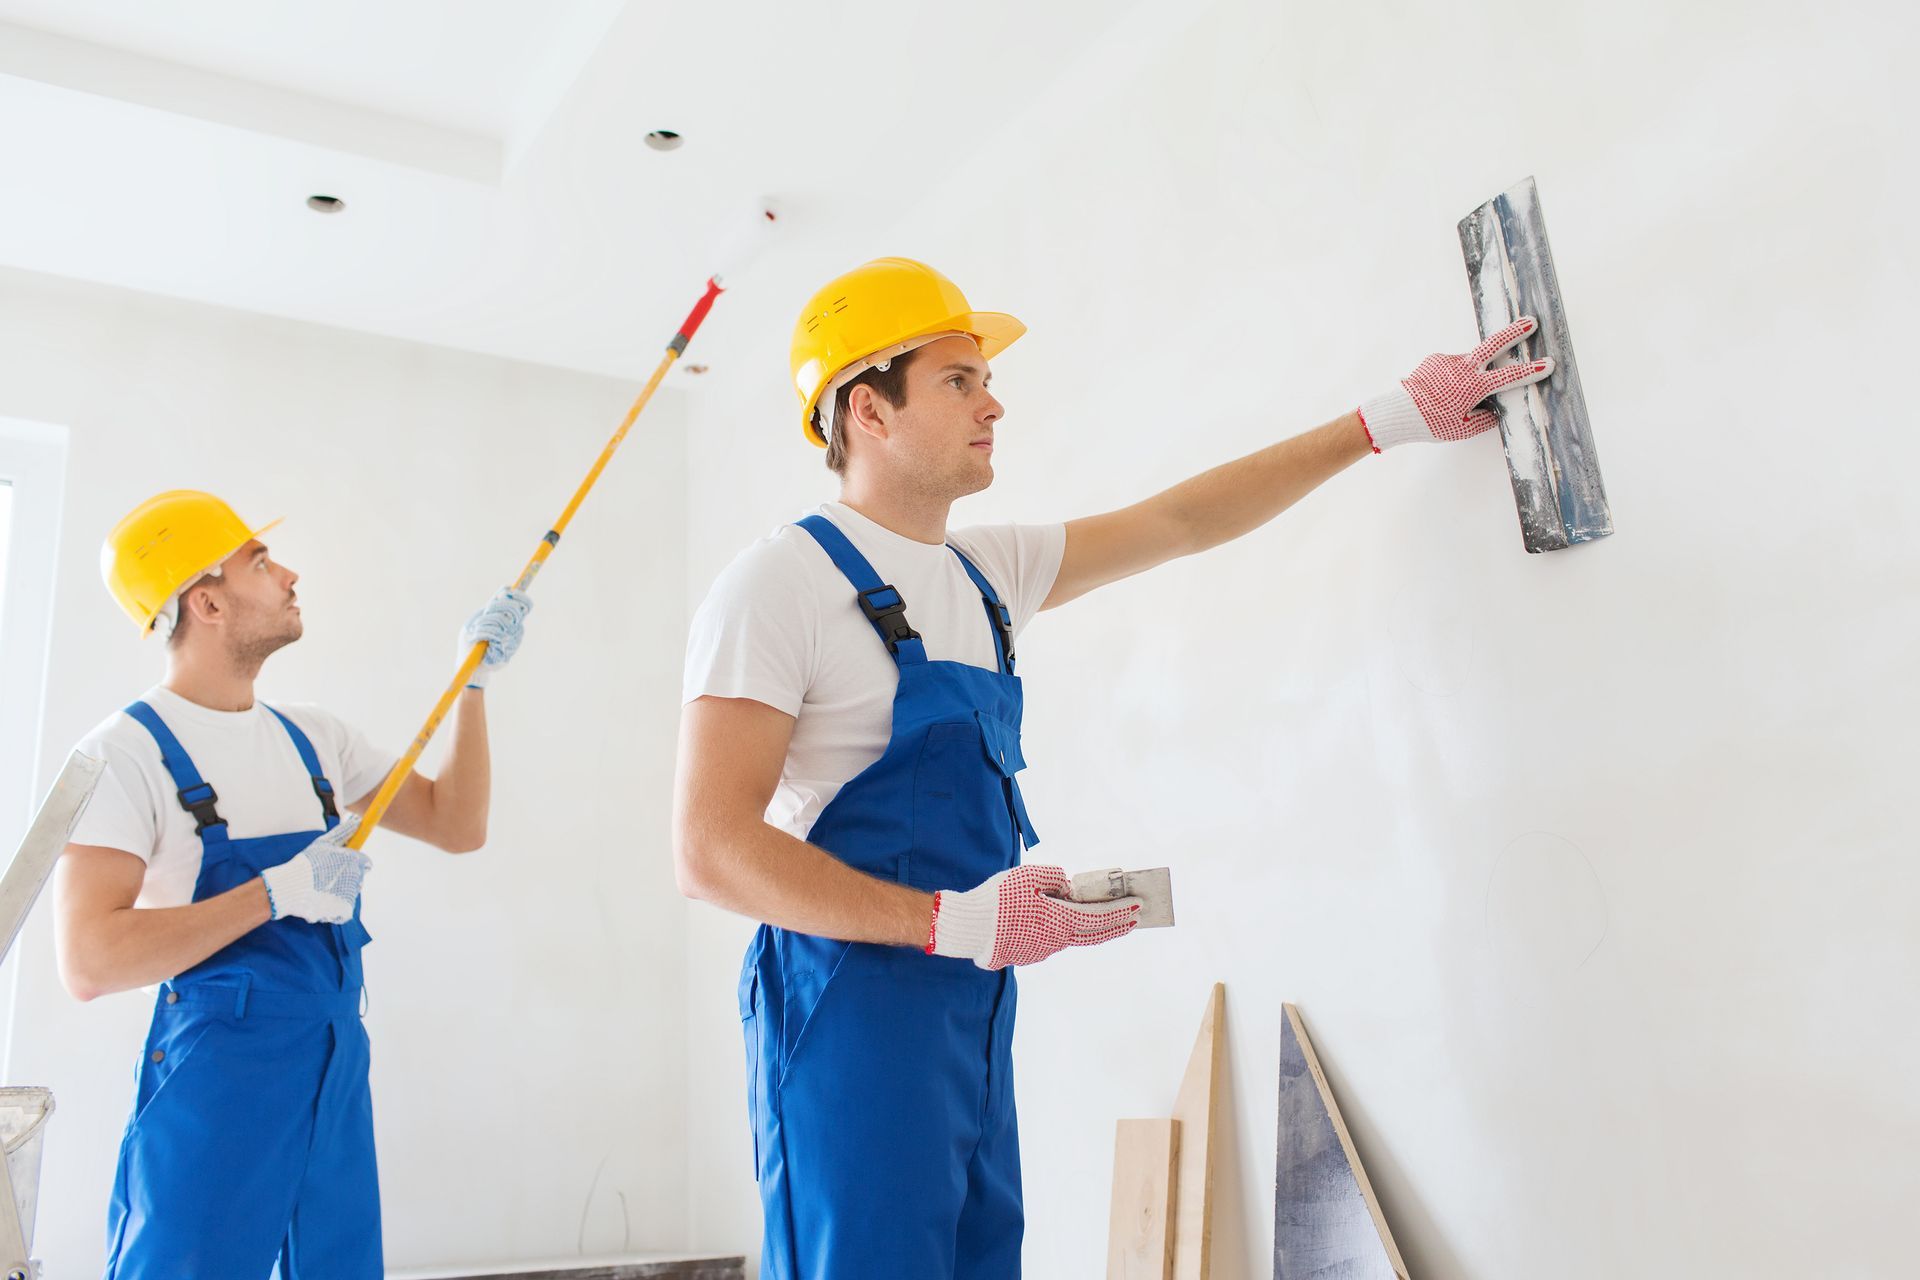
(85, 961)
(466, 843)
(82, 986)
(691, 868)
(687, 879)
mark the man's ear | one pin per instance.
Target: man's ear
(868, 412)
(202, 603)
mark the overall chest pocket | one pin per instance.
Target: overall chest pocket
(967, 814)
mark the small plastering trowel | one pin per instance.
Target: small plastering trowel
(1556, 477)
(1154, 888)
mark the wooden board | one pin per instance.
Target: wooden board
(1326, 1221)
(1140, 1227)
(1195, 1108)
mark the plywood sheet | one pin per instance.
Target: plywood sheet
(1140, 1227)
(1195, 1108)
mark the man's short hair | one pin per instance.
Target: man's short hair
(175, 614)
(890, 384)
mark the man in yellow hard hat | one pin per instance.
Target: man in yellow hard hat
(849, 761)
(213, 861)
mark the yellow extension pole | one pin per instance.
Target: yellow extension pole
(397, 777)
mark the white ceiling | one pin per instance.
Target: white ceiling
(500, 198)
(461, 64)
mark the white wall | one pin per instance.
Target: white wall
(1584, 869)
(526, 1001)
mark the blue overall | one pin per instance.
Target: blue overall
(880, 1079)
(250, 1151)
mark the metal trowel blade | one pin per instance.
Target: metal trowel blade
(1154, 888)
(1556, 475)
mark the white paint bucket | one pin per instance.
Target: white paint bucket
(23, 1126)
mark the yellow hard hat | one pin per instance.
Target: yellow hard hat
(165, 543)
(866, 313)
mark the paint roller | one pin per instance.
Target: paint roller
(742, 242)
(1549, 444)
(746, 239)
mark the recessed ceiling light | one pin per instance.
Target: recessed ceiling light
(326, 204)
(664, 140)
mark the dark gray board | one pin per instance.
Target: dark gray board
(1324, 1216)
(1556, 475)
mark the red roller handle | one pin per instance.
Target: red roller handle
(696, 316)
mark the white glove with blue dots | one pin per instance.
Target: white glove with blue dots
(502, 624)
(321, 882)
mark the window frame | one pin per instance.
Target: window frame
(33, 460)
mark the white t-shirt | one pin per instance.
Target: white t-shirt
(781, 626)
(246, 756)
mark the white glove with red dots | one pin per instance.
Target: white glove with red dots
(1020, 916)
(1437, 400)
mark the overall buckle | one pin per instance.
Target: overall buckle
(889, 617)
(199, 800)
(1003, 618)
(324, 789)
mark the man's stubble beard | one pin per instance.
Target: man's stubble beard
(257, 643)
(950, 484)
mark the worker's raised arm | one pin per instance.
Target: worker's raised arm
(1213, 507)
(1441, 400)
(724, 851)
(449, 810)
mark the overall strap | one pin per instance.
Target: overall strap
(997, 613)
(311, 759)
(882, 604)
(197, 797)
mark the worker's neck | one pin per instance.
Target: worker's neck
(918, 516)
(212, 680)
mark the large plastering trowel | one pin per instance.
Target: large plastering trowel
(1154, 888)
(1556, 477)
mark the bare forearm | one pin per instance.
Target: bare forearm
(764, 873)
(1213, 507)
(1238, 497)
(463, 788)
(139, 946)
